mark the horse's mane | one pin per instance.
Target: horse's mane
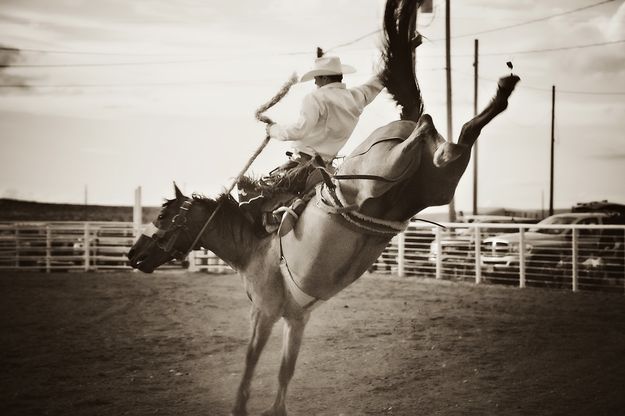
(228, 215)
(398, 74)
(284, 183)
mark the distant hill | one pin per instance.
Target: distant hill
(16, 210)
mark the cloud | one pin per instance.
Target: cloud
(615, 28)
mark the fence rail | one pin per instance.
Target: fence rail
(580, 257)
(577, 257)
(79, 246)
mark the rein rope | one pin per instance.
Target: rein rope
(365, 223)
(264, 119)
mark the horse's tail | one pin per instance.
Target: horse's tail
(398, 57)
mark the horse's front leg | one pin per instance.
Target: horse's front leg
(261, 330)
(291, 342)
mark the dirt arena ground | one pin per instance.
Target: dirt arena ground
(173, 343)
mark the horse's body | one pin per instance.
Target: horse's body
(324, 252)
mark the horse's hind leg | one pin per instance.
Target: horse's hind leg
(472, 129)
(449, 152)
(291, 342)
(261, 329)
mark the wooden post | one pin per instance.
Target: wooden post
(136, 213)
(401, 254)
(478, 255)
(452, 204)
(439, 254)
(48, 247)
(192, 262)
(521, 257)
(475, 72)
(86, 245)
(575, 252)
(17, 245)
(553, 116)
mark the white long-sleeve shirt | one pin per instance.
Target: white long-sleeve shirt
(327, 118)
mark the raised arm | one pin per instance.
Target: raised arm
(309, 115)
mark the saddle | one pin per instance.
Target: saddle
(276, 200)
(378, 163)
(390, 155)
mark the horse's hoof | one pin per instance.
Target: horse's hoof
(238, 412)
(274, 412)
(506, 85)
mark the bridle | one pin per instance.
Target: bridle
(166, 239)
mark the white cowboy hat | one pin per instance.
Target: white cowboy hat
(327, 65)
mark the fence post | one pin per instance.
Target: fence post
(86, 245)
(137, 221)
(521, 257)
(575, 250)
(401, 254)
(478, 255)
(17, 245)
(439, 254)
(192, 262)
(48, 247)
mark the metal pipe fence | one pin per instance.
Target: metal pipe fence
(79, 246)
(574, 257)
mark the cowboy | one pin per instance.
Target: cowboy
(327, 119)
(330, 113)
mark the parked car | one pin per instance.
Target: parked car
(548, 251)
(457, 247)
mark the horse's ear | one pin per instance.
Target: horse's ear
(179, 194)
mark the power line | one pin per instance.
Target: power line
(111, 64)
(561, 48)
(573, 92)
(351, 42)
(484, 31)
(341, 45)
(541, 19)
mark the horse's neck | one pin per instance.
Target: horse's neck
(232, 240)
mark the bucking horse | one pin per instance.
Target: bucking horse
(400, 169)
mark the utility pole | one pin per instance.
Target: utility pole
(452, 205)
(553, 117)
(136, 213)
(475, 71)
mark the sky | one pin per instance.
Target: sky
(99, 98)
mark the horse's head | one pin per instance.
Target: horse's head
(168, 237)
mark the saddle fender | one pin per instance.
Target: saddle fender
(324, 255)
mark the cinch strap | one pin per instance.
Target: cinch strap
(301, 298)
